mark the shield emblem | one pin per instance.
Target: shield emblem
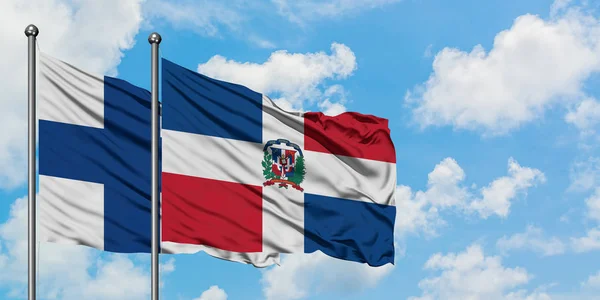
(283, 163)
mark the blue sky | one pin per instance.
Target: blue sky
(492, 108)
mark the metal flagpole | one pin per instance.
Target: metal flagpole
(31, 32)
(154, 39)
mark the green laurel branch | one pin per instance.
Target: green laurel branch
(266, 163)
(299, 171)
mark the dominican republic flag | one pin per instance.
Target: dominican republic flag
(240, 175)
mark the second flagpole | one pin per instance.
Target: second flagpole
(154, 39)
(31, 32)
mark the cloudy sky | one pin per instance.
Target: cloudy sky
(493, 110)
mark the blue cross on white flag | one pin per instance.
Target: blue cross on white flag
(94, 159)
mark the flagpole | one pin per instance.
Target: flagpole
(31, 32)
(154, 39)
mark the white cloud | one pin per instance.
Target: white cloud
(331, 109)
(213, 293)
(118, 278)
(585, 175)
(443, 184)
(593, 282)
(334, 100)
(428, 51)
(415, 213)
(66, 27)
(68, 271)
(593, 206)
(559, 6)
(590, 242)
(469, 274)
(261, 42)
(532, 239)
(524, 295)
(301, 275)
(534, 65)
(213, 18)
(295, 78)
(496, 197)
(167, 267)
(303, 11)
(420, 211)
(585, 116)
(202, 16)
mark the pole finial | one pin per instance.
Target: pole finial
(31, 30)
(154, 38)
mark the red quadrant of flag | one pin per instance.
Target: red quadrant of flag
(349, 134)
(213, 213)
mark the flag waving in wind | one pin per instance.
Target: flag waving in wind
(242, 179)
(94, 159)
(240, 174)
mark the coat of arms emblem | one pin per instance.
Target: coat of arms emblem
(283, 164)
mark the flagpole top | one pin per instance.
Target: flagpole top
(154, 38)
(31, 30)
